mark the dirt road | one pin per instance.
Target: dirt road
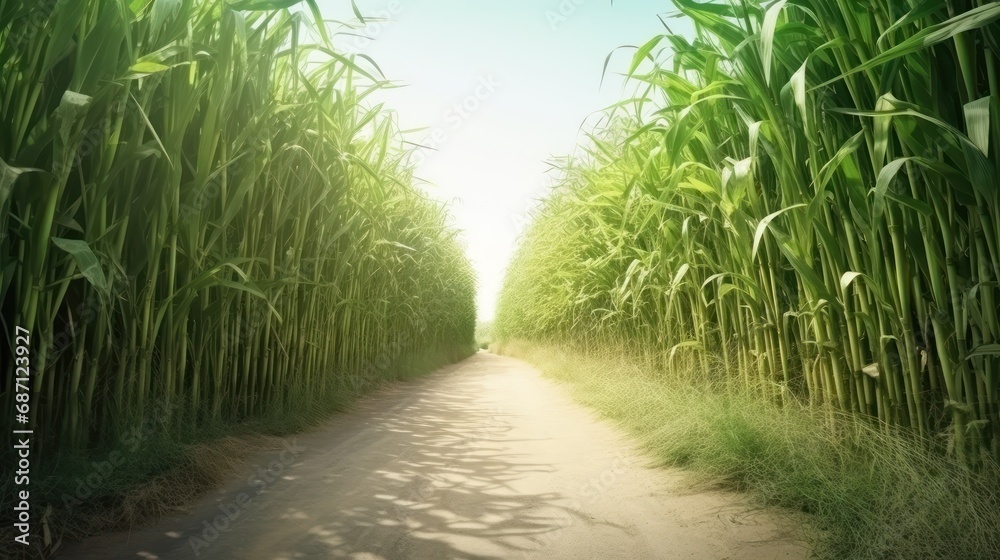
(483, 459)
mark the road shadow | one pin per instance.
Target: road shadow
(424, 471)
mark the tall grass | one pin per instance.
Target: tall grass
(204, 219)
(806, 189)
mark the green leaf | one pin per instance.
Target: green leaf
(68, 15)
(810, 276)
(8, 176)
(137, 6)
(883, 119)
(885, 177)
(754, 135)
(693, 344)
(973, 19)
(320, 24)
(762, 226)
(977, 123)
(643, 53)
(725, 289)
(162, 13)
(922, 10)
(143, 69)
(984, 350)
(826, 172)
(149, 126)
(767, 37)
(263, 5)
(86, 260)
(679, 275)
(918, 206)
(357, 12)
(847, 278)
(888, 173)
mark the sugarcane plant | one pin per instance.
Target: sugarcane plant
(204, 217)
(805, 192)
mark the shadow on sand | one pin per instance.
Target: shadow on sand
(423, 470)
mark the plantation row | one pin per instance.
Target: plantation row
(201, 221)
(804, 196)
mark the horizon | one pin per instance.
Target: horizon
(489, 119)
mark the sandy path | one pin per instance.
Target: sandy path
(483, 459)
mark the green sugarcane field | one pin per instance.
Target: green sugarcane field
(770, 259)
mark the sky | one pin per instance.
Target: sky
(497, 87)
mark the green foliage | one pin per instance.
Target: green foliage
(202, 216)
(806, 190)
(484, 334)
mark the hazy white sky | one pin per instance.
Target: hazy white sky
(499, 86)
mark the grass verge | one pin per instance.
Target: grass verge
(873, 492)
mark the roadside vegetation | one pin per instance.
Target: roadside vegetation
(797, 206)
(484, 334)
(871, 492)
(204, 224)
